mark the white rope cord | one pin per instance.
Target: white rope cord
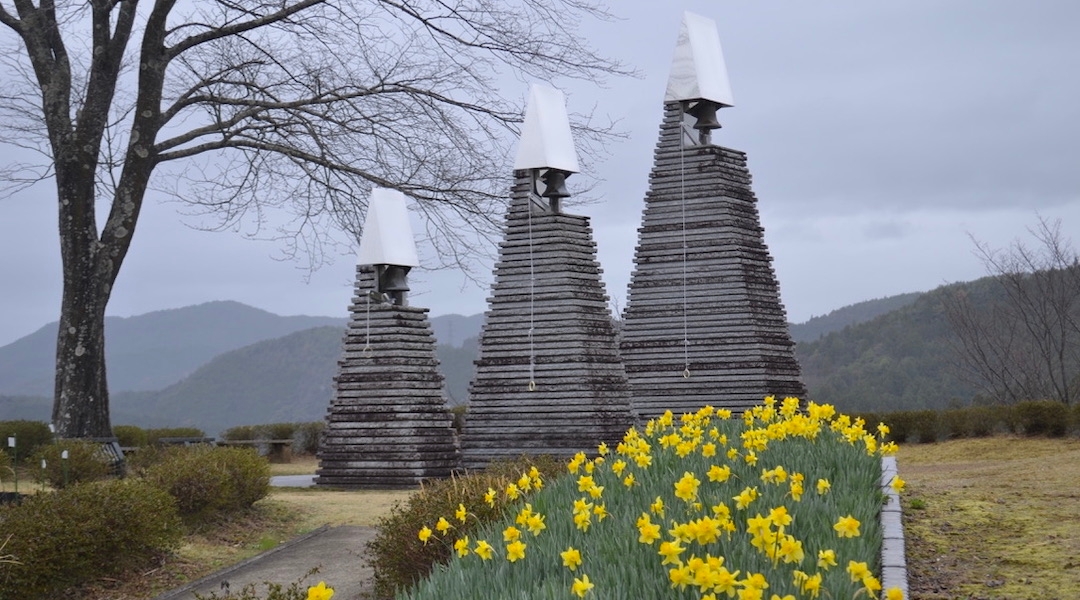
(367, 332)
(532, 299)
(682, 192)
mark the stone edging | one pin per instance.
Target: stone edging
(893, 563)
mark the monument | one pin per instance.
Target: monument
(703, 322)
(548, 379)
(388, 425)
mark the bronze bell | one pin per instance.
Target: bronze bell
(705, 113)
(555, 184)
(393, 282)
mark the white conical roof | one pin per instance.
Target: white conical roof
(546, 142)
(387, 238)
(698, 71)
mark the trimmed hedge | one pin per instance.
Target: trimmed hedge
(82, 533)
(1033, 418)
(305, 436)
(206, 480)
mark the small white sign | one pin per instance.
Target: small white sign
(43, 464)
(11, 442)
(64, 455)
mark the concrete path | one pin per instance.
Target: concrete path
(337, 551)
(292, 481)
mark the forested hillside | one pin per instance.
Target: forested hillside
(151, 351)
(840, 318)
(900, 360)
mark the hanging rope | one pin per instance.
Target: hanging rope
(532, 296)
(682, 193)
(367, 333)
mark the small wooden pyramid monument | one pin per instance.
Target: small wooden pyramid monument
(388, 425)
(548, 378)
(703, 322)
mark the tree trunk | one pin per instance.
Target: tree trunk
(81, 402)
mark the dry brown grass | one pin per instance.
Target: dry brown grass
(1001, 518)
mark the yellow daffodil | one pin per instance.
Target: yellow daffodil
(708, 450)
(719, 473)
(826, 559)
(779, 516)
(657, 507)
(462, 546)
(894, 593)
(524, 483)
(581, 586)
(571, 558)
(425, 534)
(320, 592)
(745, 497)
(823, 486)
(628, 481)
(680, 576)
(618, 467)
(524, 514)
(443, 525)
(582, 520)
(750, 458)
(796, 490)
(790, 550)
(897, 484)
(649, 531)
(847, 527)
(513, 491)
(575, 463)
(811, 586)
(602, 449)
(857, 570)
(483, 550)
(600, 511)
(489, 497)
(883, 430)
(671, 551)
(732, 453)
(515, 551)
(872, 585)
(686, 488)
(461, 513)
(535, 523)
(511, 534)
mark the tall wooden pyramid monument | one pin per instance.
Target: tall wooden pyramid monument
(388, 425)
(703, 322)
(548, 378)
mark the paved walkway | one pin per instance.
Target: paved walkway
(336, 551)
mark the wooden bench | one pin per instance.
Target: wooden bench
(277, 451)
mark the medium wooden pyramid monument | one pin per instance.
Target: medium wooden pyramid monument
(703, 322)
(388, 425)
(548, 378)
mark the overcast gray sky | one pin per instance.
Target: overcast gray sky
(880, 135)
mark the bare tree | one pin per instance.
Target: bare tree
(1022, 341)
(251, 108)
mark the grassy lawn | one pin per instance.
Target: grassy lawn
(1000, 518)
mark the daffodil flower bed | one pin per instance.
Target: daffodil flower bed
(780, 504)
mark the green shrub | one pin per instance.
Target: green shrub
(154, 435)
(29, 435)
(240, 433)
(82, 533)
(7, 470)
(956, 423)
(985, 420)
(306, 437)
(1076, 418)
(85, 462)
(1043, 417)
(399, 558)
(901, 425)
(131, 436)
(206, 480)
(926, 428)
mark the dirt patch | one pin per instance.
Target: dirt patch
(993, 519)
